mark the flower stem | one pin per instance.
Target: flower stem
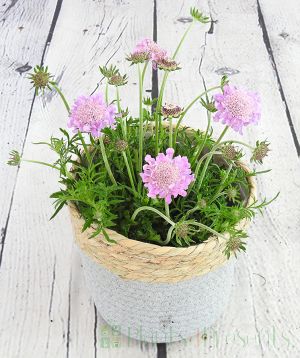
(85, 147)
(170, 133)
(189, 107)
(118, 99)
(199, 150)
(104, 156)
(221, 186)
(167, 209)
(61, 96)
(141, 129)
(129, 171)
(182, 40)
(209, 229)
(169, 236)
(122, 120)
(237, 142)
(208, 159)
(166, 74)
(42, 163)
(106, 93)
(149, 208)
(156, 133)
(205, 156)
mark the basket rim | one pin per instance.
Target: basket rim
(144, 246)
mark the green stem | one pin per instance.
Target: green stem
(208, 159)
(118, 99)
(170, 133)
(161, 92)
(141, 129)
(182, 40)
(209, 229)
(104, 156)
(221, 186)
(156, 133)
(85, 148)
(167, 209)
(166, 74)
(189, 107)
(106, 93)
(237, 142)
(122, 120)
(205, 156)
(149, 208)
(61, 95)
(169, 236)
(42, 163)
(199, 150)
(129, 171)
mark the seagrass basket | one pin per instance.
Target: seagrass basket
(154, 293)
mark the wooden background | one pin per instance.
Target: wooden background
(45, 310)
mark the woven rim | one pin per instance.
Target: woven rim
(136, 260)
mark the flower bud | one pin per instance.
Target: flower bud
(121, 145)
(106, 140)
(229, 152)
(118, 80)
(167, 64)
(260, 152)
(14, 159)
(171, 111)
(232, 194)
(138, 57)
(182, 230)
(40, 78)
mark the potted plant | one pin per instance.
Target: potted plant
(158, 209)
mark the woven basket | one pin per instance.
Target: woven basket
(139, 261)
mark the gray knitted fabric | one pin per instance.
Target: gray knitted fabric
(159, 312)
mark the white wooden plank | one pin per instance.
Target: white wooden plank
(282, 30)
(256, 308)
(45, 309)
(23, 33)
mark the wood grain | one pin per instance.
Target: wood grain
(50, 312)
(45, 310)
(262, 317)
(23, 40)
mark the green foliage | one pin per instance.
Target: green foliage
(101, 176)
(198, 16)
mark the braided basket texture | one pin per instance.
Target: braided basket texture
(139, 261)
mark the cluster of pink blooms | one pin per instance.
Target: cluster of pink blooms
(166, 176)
(155, 52)
(237, 108)
(91, 115)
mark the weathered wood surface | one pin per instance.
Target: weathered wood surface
(45, 310)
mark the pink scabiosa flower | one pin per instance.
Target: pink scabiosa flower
(166, 176)
(90, 114)
(237, 107)
(154, 51)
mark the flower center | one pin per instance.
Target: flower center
(90, 112)
(239, 105)
(165, 174)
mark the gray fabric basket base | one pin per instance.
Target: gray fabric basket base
(159, 312)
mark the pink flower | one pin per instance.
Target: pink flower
(91, 114)
(237, 107)
(156, 53)
(166, 176)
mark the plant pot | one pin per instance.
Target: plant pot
(153, 293)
